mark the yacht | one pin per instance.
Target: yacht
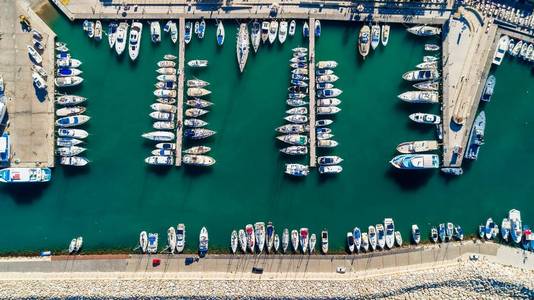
(297, 111)
(171, 239)
(364, 41)
(292, 28)
(161, 116)
(234, 241)
(68, 63)
(152, 247)
(350, 242)
(428, 97)
(294, 139)
(425, 118)
(276, 243)
(357, 234)
(264, 31)
(424, 30)
(295, 150)
(317, 28)
(198, 103)
(329, 93)
(195, 112)
(417, 146)
(198, 133)
(67, 141)
(304, 239)
(431, 85)
(251, 238)
(122, 33)
(427, 65)
(488, 229)
(25, 175)
(416, 234)
(516, 233)
(476, 138)
(506, 227)
(198, 160)
(330, 169)
(188, 32)
(166, 71)
(329, 160)
(371, 231)
(295, 240)
(415, 161)
(159, 136)
(285, 240)
(326, 102)
(273, 31)
(155, 32)
(327, 78)
(380, 235)
(143, 241)
(112, 34)
(242, 237)
(72, 121)
(242, 46)
(429, 58)
(292, 128)
(73, 133)
(162, 152)
(180, 238)
(298, 119)
(194, 123)
(255, 35)
(375, 36)
(65, 72)
(70, 151)
(323, 122)
(165, 78)
(38, 82)
(431, 47)
(164, 93)
(390, 232)
(511, 45)
(296, 102)
(297, 170)
(158, 160)
(421, 75)
(502, 48)
(134, 41)
(220, 33)
(203, 242)
(326, 143)
(385, 35)
(488, 89)
(198, 63)
(259, 229)
(306, 30)
(282, 34)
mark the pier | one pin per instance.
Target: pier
(180, 96)
(313, 135)
(29, 119)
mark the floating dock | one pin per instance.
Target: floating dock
(180, 96)
(313, 135)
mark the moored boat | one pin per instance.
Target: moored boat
(180, 238)
(297, 170)
(203, 241)
(421, 75)
(255, 35)
(25, 175)
(155, 32)
(282, 33)
(364, 41)
(420, 97)
(424, 30)
(329, 160)
(295, 150)
(68, 81)
(197, 150)
(242, 46)
(415, 161)
(122, 33)
(294, 139)
(220, 33)
(159, 160)
(273, 31)
(160, 136)
(425, 118)
(330, 169)
(134, 40)
(385, 34)
(476, 138)
(416, 234)
(198, 133)
(74, 133)
(375, 36)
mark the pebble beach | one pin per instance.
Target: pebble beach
(462, 279)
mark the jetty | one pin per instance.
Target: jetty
(180, 96)
(313, 133)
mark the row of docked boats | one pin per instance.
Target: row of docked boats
(198, 28)
(148, 242)
(258, 238)
(70, 112)
(427, 91)
(75, 245)
(512, 230)
(39, 74)
(122, 35)
(163, 115)
(370, 37)
(520, 49)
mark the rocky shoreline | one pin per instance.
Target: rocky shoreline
(463, 279)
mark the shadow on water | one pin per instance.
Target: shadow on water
(25, 194)
(159, 170)
(410, 179)
(197, 171)
(76, 171)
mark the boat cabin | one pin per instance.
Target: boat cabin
(5, 150)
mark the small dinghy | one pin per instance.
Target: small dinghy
(194, 123)
(72, 121)
(74, 161)
(74, 133)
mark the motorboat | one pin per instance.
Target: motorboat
(67, 141)
(427, 65)
(330, 169)
(180, 238)
(161, 116)
(416, 234)
(220, 33)
(417, 146)
(98, 31)
(201, 29)
(122, 33)
(143, 241)
(324, 135)
(328, 110)
(421, 75)
(425, 118)
(292, 128)
(326, 144)
(198, 133)
(296, 102)
(195, 112)
(434, 234)
(327, 78)
(299, 83)
(38, 82)
(304, 239)
(255, 35)
(488, 88)
(385, 35)
(169, 146)
(431, 85)
(198, 63)
(167, 85)
(164, 125)
(306, 30)
(324, 241)
(390, 232)
(328, 102)
(273, 31)
(166, 100)
(329, 160)
(282, 32)
(68, 63)
(517, 47)
(294, 139)
(449, 231)
(173, 28)
(74, 133)
(415, 161)
(323, 122)
(269, 237)
(295, 150)
(364, 41)
(188, 32)
(159, 136)
(164, 93)
(523, 51)
(242, 238)
(476, 138)
(488, 229)
(197, 150)
(203, 241)
(165, 78)
(297, 111)
(375, 36)
(297, 170)
(285, 240)
(424, 30)
(420, 97)
(380, 236)
(264, 31)
(162, 152)
(300, 71)
(78, 244)
(72, 121)
(398, 238)
(458, 233)
(313, 241)
(152, 247)
(350, 242)
(295, 240)
(40, 70)
(234, 241)
(259, 230)
(70, 151)
(329, 93)
(63, 55)
(171, 239)
(166, 64)
(68, 81)
(25, 175)
(251, 237)
(317, 28)
(64, 72)
(298, 119)
(442, 232)
(453, 171)
(166, 71)
(134, 40)
(292, 28)
(89, 27)
(506, 227)
(112, 34)
(326, 64)
(276, 243)
(431, 47)
(516, 233)
(242, 46)
(365, 242)
(194, 123)
(324, 85)
(357, 234)
(430, 58)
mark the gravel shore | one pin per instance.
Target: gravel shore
(465, 279)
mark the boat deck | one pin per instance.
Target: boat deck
(180, 96)
(30, 115)
(313, 143)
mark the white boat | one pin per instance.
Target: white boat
(416, 234)
(98, 30)
(198, 63)
(112, 34)
(242, 237)
(36, 57)
(166, 64)
(64, 72)
(198, 133)
(398, 238)
(242, 46)
(198, 160)
(421, 75)
(415, 161)
(375, 36)
(259, 229)
(165, 78)
(295, 240)
(164, 125)
(276, 243)
(68, 63)
(371, 231)
(329, 160)
(324, 241)
(194, 123)
(298, 119)
(234, 241)
(425, 118)
(72, 121)
(173, 32)
(430, 58)
(38, 82)
(68, 81)
(294, 139)
(326, 64)
(282, 33)
(327, 78)
(330, 169)
(390, 232)
(269, 241)
(152, 247)
(170, 146)
(295, 150)
(506, 227)
(304, 239)
(431, 85)
(78, 244)
(134, 40)
(328, 110)
(292, 128)
(305, 29)
(195, 112)
(171, 238)
(255, 35)
(162, 152)
(201, 29)
(70, 151)
(324, 135)
(285, 240)
(220, 33)
(164, 93)
(296, 102)
(297, 170)
(251, 237)
(292, 28)
(160, 136)
(326, 144)
(329, 93)
(427, 65)
(357, 234)
(75, 161)
(264, 31)
(203, 241)
(431, 47)
(380, 236)
(417, 146)
(350, 242)
(197, 83)
(158, 160)
(161, 116)
(40, 70)
(122, 34)
(424, 30)
(273, 31)
(167, 85)
(155, 32)
(143, 241)
(74, 133)
(313, 241)
(516, 231)
(166, 71)
(188, 32)
(385, 35)
(323, 122)
(163, 107)
(420, 97)
(297, 111)
(364, 41)
(180, 238)
(502, 48)
(70, 100)
(67, 141)
(197, 150)
(25, 175)
(89, 27)
(328, 102)
(365, 242)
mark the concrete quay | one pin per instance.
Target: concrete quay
(180, 93)
(313, 133)
(30, 114)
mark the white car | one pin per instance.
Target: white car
(473, 257)
(341, 270)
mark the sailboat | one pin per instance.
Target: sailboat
(220, 33)
(255, 35)
(134, 41)
(242, 46)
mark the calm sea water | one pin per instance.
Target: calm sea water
(118, 195)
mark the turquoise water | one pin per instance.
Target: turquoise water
(118, 195)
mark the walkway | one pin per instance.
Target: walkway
(180, 96)
(313, 134)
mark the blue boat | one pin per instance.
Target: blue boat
(476, 138)
(72, 121)
(203, 242)
(25, 175)
(5, 149)
(201, 29)
(458, 233)
(357, 234)
(488, 89)
(317, 28)
(64, 72)
(306, 30)
(441, 232)
(188, 32)
(220, 33)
